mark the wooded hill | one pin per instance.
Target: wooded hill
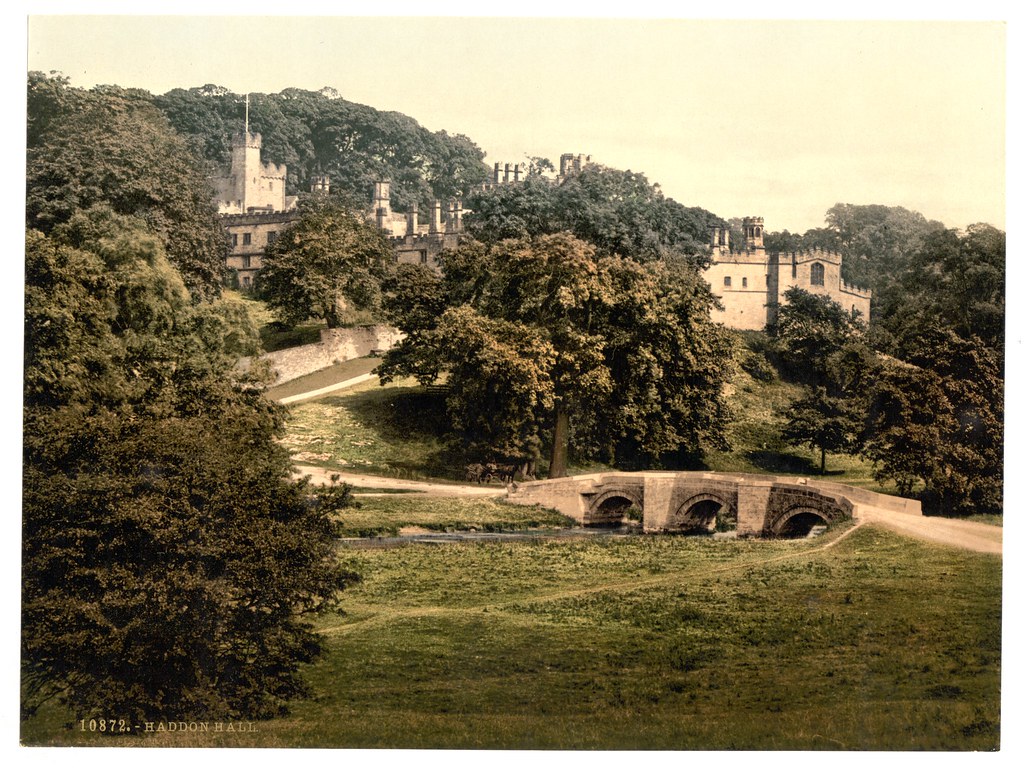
(319, 132)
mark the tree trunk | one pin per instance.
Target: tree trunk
(559, 445)
(822, 472)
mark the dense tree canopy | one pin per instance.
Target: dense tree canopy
(618, 212)
(931, 421)
(810, 329)
(326, 263)
(166, 552)
(919, 271)
(318, 132)
(167, 555)
(935, 424)
(956, 280)
(110, 148)
(545, 341)
(821, 346)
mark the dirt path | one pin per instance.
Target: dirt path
(329, 389)
(322, 476)
(951, 532)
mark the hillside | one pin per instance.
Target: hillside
(319, 132)
(757, 397)
(397, 430)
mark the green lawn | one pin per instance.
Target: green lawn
(649, 642)
(393, 430)
(388, 514)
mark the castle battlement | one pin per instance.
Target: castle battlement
(853, 289)
(274, 171)
(247, 183)
(416, 238)
(256, 216)
(751, 282)
(740, 255)
(813, 255)
(247, 139)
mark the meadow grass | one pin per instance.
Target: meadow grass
(656, 642)
(388, 514)
(393, 430)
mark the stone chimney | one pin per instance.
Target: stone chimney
(382, 203)
(435, 217)
(411, 219)
(457, 217)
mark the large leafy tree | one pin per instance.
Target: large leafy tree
(500, 385)
(167, 555)
(956, 280)
(822, 347)
(328, 262)
(935, 424)
(111, 148)
(560, 345)
(810, 328)
(822, 421)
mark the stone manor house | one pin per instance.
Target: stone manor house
(751, 282)
(250, 196)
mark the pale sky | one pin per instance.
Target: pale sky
(780, 119)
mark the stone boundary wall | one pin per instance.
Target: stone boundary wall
(335, 346)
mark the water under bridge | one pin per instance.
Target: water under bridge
(692, 501)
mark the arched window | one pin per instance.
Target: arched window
(817, 274)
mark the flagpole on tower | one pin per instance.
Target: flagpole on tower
(247, 117)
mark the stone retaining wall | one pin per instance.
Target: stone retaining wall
(335, 346)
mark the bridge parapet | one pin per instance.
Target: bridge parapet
(688, 501)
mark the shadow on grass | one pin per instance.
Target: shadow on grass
(408, 416)
(787, 463)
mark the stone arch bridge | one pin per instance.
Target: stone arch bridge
(692, 501)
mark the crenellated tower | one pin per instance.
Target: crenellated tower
(753, 234)
(751, 283)
(249, 185)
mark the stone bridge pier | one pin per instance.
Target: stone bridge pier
(700, 502)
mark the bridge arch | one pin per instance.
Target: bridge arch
(610, 507)
(797, 521)
(704, 512)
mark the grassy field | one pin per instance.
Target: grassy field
(387, 515)
(857, 640)
(393, 430)
(875, 642)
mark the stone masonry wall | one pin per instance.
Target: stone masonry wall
(760, 501)
(335, 346)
